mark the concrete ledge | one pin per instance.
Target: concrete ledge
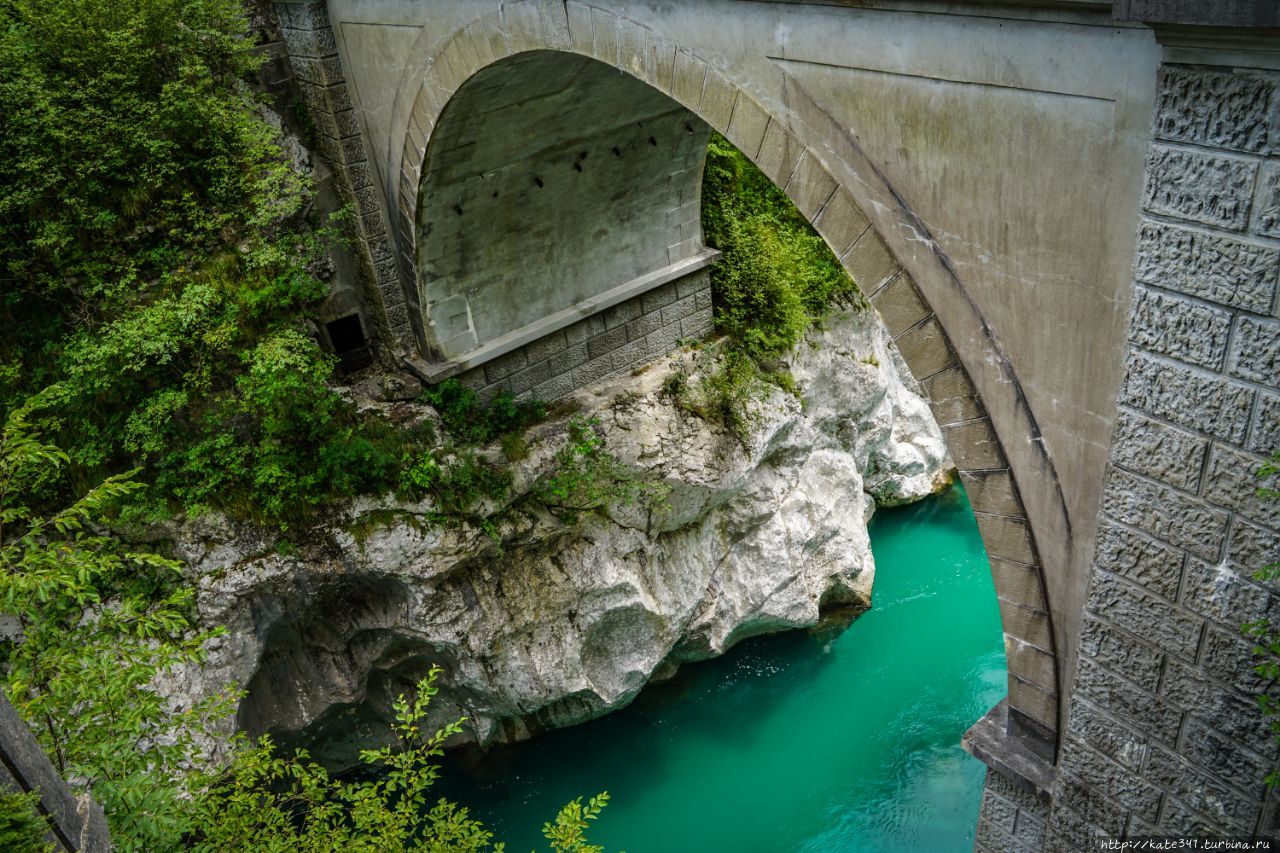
(1011, 754)
(435, 372)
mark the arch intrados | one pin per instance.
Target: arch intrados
(774, 143)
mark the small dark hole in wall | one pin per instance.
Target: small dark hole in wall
(457, 208)
(688, 128)
(539, 182)
(577, 167)
(653, 142)
(616, 152)
(582, 155)
(346, 336)
(495, 193)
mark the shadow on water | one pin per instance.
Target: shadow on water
(833, 740)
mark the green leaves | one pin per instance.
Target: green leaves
(274, 803)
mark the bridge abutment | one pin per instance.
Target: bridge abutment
(1163, 735)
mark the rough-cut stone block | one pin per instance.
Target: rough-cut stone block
(1149, 563)
(1164, 513)
(1223, 759)
(1180, 820)
(545, 347)
(974, 446)
(322, 71)
(1255, 351)
(1187, 397)
(1213, 108)
(554, 388)
(1219, 593)
(1031, 664)
(678, 310)
(526, 379)
(631, 47)
(1252, 546)
(621, 314)
(1264, 436)
(1186, 783)
(779, 153)
(1232, 713)
(1080, 814)
(586, 328)
(1231, 481)
(1119, 743)
(644, 325)
(593, 370)
(1199, 186)
(952, 397)
(925, 349)
(999, 811)
(1156, 450)
(1267, 218)
(1007, 538)
(1120, 784)
(505, 365)
(1143, 614)
(1177, 328)
(992, 492)
(1138, 708)
(1122, 653)
(570, 358)
(316, 43)
(1019, 796)
(1029, 833)
(870, 262)
(630, 354)
(608, 342)
(655, 300)
(309, 15)
(810, 185)
(900, 304)
(1209, 266)
(746, 128)
(1228, 657)
(664, 339)
(698, 324)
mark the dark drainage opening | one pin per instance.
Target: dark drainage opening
(346, 335)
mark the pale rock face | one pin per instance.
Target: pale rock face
(555, 623)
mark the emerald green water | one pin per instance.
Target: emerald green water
(838, 741)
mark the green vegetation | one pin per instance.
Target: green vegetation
(101, 621)
(21, 827)
(776, 281)
(156, 259)
(587, 478)
(1264, 633)
(268, 802)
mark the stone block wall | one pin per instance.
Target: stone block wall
(614, 341)
(1163, 735)
(313, 55)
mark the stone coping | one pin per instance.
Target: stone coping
(990, 741)
(435, 372)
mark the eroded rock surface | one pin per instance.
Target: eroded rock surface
(544, 622)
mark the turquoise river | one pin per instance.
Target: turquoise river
(805, 741)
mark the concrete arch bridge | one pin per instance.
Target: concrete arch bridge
(1067, 214)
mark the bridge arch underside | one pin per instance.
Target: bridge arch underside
(553, 74)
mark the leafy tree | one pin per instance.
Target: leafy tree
(97, 622)
(22, 828)
(272, 803)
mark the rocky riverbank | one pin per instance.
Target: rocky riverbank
(541, 620)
